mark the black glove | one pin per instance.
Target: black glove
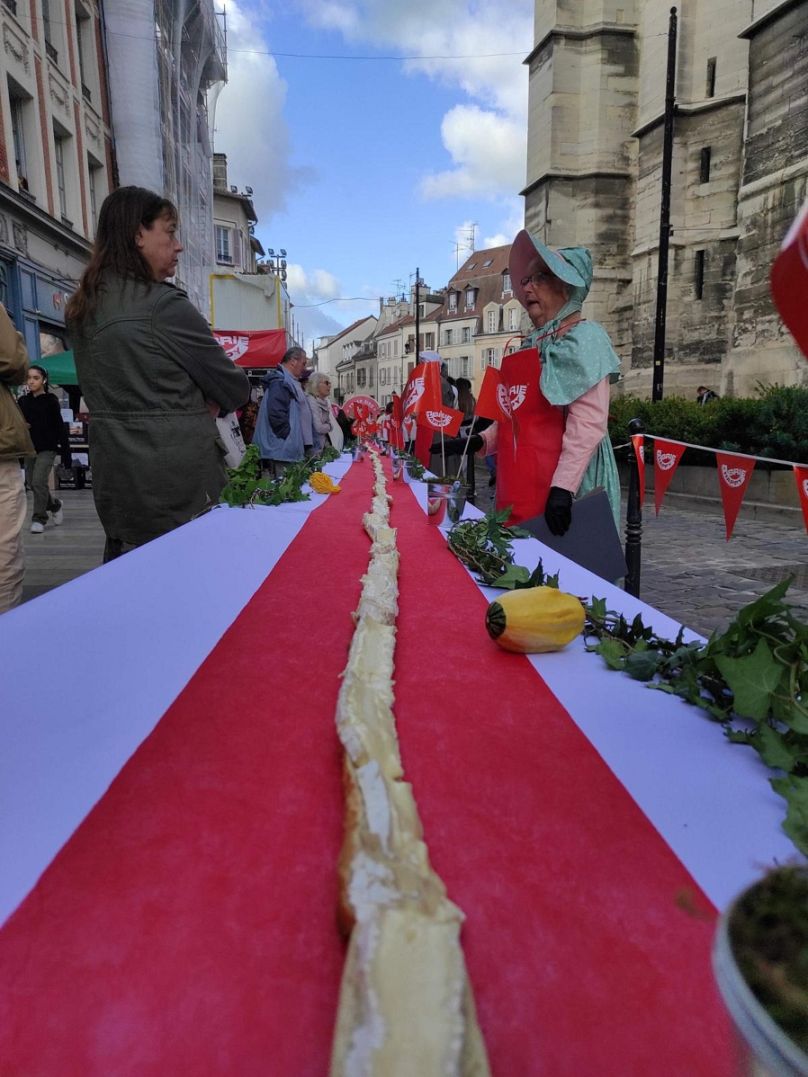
(558, 510)
(475, 443)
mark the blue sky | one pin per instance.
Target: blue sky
(364, 168)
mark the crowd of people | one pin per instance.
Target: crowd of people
(154, 379)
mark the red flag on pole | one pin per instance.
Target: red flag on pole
(397, 423)
(801, 476)
(638, 441)
(422, 389)
(667, 455)
(493, 401)
(734, 473)
(423, 444)
(441, 418)
(789, 280)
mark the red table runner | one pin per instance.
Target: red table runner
(189, 924)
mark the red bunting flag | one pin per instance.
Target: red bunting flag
(422, 389)
(667, 455)
(445, 419)
(789, 280)
(638, 441)
(423, 444)
(493, 401)
(801, 476)
(734, 473)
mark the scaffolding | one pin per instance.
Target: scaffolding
(165, 59)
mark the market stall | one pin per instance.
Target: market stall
(172, 810)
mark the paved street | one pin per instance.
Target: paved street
(688, 569)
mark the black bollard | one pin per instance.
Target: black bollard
(633, 518)
(471, 478)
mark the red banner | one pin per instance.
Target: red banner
(801, 477)
(734, 473)
(360, 407)
(667, 455)
(447, 420)
(789, 280)
(253, 347)
(638, 441)
(422, 389)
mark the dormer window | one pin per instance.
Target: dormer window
(471, 298)
(453, 302)
(506, 282)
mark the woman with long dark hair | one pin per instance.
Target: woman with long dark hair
(152, 374)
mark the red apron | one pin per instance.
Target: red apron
(529, 444)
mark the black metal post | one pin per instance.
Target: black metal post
(665, 215)
(417, 315)
(633, 518)
(471, 479)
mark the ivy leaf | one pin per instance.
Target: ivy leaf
(514, 576)
(520, 532)
(795, 792)
(642, 664)
(751, 679)
(767, 605)
(773, 749)
(612, 652)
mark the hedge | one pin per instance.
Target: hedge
(774, 423)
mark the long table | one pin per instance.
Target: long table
(171, 811)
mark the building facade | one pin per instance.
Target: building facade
(740, 162)
(56, 160)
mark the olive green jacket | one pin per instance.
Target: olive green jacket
(148, 364)
(15, 441)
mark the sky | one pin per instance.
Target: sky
(378, 136)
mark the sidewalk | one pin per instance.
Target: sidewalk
(689, 570)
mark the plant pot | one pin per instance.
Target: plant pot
(437, 501)
(766, 1049)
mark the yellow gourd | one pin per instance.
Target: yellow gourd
(533, 620)
(322, 483)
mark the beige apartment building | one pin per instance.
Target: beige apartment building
(56, 162)
(740, 168)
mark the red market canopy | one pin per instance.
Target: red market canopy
(253, 347)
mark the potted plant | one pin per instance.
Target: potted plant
(760, 959)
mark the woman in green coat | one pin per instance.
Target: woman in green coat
(152, 374)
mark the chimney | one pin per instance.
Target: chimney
(220, 171)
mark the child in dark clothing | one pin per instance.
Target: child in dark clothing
(41, 411)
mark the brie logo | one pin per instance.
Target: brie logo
(665, 460)
(414, 393)
(518, 394)
(733, 476)
(503, 399)
(438, 419)
(234, 346)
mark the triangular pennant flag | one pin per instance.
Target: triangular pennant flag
(789, 280)
(446, 419)
(422, 389)
(493, 401)
(734, 473)
(801, 476)
(638, 441)
(667, 455)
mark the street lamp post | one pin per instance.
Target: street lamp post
(277, 262)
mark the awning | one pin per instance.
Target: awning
(61, 368)
(253, 347)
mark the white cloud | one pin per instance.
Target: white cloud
(488, 151)
(251, 136)
(486, 140)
